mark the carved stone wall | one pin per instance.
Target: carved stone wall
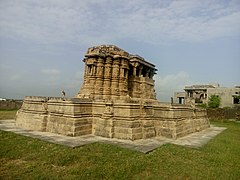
(132, 120)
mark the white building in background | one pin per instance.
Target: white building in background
(2, 99)
(201, 94)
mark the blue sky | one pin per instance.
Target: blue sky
(42, 43)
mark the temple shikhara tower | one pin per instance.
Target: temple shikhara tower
(112, 73)
(116, 100)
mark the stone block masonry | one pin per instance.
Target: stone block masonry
(112, 119)
(117, 100)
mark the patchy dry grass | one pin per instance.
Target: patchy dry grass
(27, 158)
(7, 114)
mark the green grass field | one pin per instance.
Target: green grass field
(27, 158)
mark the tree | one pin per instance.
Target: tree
(214, 101)
(236, 99)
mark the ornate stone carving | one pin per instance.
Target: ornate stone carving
(119, 71)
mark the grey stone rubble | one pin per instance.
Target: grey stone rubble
(194, 140)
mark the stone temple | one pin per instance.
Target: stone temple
(117, 100)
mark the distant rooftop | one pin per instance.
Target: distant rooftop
(202, 86)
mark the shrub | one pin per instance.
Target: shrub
(237, 99)
(214, 101)
(203, 105)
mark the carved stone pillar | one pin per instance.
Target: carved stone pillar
(87, 89)
(134, 71)
(147, 73)
(140, 70)
(92, 78)
(85, 68)
(135, 82)
(115, 79)
(123, 78)
(85, 73)
(107, 78)
(121, 72)
(99, 79)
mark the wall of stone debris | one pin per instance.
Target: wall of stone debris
(10, 104)
(224, 113)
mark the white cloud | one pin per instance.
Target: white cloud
(4, 67)
(50, 71)
(93, 22)
(8, 74)
(74, 82)
(15, 77)
(166, 85)
(53, 77)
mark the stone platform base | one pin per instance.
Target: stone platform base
(132, 120)
(194, 140)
